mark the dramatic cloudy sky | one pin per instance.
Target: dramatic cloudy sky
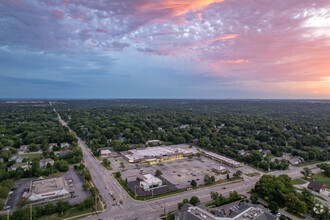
(165, 48)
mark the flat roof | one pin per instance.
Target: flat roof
(47, 185)
(150, 179)
(151, 152)
(222, 158)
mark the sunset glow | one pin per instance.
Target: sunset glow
(120, 48)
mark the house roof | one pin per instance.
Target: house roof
(315, 185)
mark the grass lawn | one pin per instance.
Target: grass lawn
(298, 181)
(253, 174)
(70, 213)
(32, 156)
(322, 178)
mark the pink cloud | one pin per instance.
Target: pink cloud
(57, 14)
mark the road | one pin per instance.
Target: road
(151, 209)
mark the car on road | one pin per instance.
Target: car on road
(223, 187)
(194, 174)
(7, 207)
(197, 179)
(278, 215)
(179, 174)
(188, 181)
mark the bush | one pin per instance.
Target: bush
(87, 203)
(273, 207)
(62, 206)
(4, 192)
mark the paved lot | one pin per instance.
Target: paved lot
(166, 188)
(77, 182)
(16, 196)
(179, 172)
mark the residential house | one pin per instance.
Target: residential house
(296, 160)
(65, 144)
(317, 186)
(23, 148)
(62, 154)
(265, 153)
(43, 163)
(153, 142)
(24, 166)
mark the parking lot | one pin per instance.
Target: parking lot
(179, 172)
(74, 180)
(75, 185)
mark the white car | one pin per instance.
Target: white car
(7, 207)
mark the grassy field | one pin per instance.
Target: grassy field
(298, 181)
(70, 213)
(322, 178)
(33, 156)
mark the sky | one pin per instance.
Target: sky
(203, 49)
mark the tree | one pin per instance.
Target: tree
(273, 207)
(295, 205)
(326, 168)
(233, 196)
(105, 162)
(62, 206)
(307, 197)
(306, 172)
(254, 199)
(237, 174)
(158, 173)
(220, 200)
(62, 165)
(85, 186)
(193, 183)
(214, 195)
(122, 165)
(194, 200)
(87, 203)
(33, 147)
(199, 154)
(49, 208)
(180, 204)
(190, 157)
(209, 179)
(170, 216)
(117, 175)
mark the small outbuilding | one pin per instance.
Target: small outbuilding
(316, 186)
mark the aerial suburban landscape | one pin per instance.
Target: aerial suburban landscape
(165, 159)
(165, 109)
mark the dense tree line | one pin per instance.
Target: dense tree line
(280, 190)
(297, 127)
(23, 124)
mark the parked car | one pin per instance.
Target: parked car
(179, 174)
(7, 207)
